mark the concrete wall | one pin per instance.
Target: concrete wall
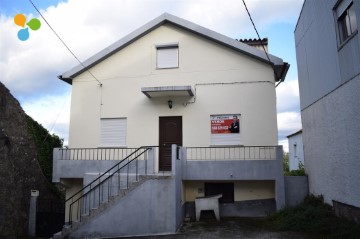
(148, 209)
(202, 64)
(296, 189)
(236, 170)
(331, 143)
(296, 153)
(329, 84)
(72, 185)
(177, 171)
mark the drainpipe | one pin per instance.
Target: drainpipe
(32, 213)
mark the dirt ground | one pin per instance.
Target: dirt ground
(243, 228)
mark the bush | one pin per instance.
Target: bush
(314, 217)
(287, 172)
(298, 172)
(45, 142)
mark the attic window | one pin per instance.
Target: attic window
(167, 56)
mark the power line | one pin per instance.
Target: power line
(247, 10)
(72, 53)
(256, 31)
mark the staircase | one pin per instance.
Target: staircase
(105, 191)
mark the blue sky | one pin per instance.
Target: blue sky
(12, 7)
(30, 68)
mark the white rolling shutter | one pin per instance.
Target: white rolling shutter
(167, 57)
(113, 132)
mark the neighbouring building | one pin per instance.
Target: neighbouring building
(328, 57)
(21, 173)
(179, 112)
(296, 150)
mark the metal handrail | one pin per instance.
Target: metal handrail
(101, 182)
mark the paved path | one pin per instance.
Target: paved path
(228, 228)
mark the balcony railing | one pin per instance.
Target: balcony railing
(231, 153)
(96, 153)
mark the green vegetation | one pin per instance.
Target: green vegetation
(286, 162)
(315, 218)
(45, 144)
(287, 172)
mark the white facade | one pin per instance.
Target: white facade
(174, 82)
(296, 150)
(225, 82)
(329, 83)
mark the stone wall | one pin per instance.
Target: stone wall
(19, 170)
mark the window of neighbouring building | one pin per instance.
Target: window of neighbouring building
(113, 132)
(225, 129)
(346, 19)
(167, 56)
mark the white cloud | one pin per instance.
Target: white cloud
(29, 68)
(52, 112)
(288, 123)
(285, 144)
(288, 96)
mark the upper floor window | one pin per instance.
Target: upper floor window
(167, 56)
(347, 24)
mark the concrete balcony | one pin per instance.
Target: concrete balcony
(84, 162)
(232, 163)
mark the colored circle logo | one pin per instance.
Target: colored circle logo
(20, 20)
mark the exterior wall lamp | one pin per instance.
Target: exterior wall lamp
(170, 104)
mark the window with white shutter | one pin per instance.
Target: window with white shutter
(167, 56)
(113, 132)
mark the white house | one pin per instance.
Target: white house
(202, 105)
(296, 150)
(328, 57)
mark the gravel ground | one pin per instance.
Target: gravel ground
(228, 228)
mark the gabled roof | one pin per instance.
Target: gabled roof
(296, 133)
(280, 67)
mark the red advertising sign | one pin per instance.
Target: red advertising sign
(225, 124)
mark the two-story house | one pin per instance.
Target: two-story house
(328, 57)
(179, 112)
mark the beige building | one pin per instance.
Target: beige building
(172, 82)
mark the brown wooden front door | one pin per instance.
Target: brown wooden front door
(170, 132)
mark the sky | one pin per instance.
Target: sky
(29, 68)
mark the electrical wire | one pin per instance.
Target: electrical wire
(72, 53)
(221, 83)
(57, 117)
(247, 10)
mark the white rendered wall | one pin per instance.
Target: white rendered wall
(329, 98)
(296, 157)
(332, 150)
(200, 62)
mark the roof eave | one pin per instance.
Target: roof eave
(280, 71)
(184, 24)
(67, 80)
